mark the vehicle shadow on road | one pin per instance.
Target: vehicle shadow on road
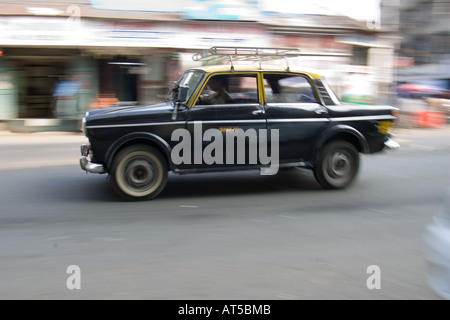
(97, 188)
(238, 183)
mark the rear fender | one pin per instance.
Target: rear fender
(341, 132)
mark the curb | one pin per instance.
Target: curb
(41, 125)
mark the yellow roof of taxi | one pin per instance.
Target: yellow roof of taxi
(238, 67)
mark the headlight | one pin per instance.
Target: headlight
(83, 126)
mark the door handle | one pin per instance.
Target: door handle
(321, 111)
(256, 112)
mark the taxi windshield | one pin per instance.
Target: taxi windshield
(191, 79)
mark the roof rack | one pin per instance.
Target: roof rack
(232, 54)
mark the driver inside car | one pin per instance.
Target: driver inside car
(219, 95)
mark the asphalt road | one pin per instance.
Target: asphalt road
(217, 236)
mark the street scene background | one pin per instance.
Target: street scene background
(216, 236)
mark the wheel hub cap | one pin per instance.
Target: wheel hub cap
(139, 174)
(339, 165)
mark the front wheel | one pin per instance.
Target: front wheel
(139, 172)
(337, 165)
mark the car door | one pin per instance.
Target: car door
(224, 132)
(292, 106)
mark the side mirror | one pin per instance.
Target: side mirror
(180, 93)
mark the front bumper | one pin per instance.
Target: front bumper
(391, 144)
(86, 165)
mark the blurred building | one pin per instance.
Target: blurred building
(61, 58)
(423, 54)
(421, 84)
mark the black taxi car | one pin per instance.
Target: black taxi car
(238, 115)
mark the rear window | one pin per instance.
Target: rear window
(327, 94)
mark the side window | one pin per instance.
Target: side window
(288, 89)
(244, 89)
(230, 89)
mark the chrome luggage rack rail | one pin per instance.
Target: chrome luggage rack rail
(248, 54)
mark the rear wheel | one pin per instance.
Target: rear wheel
(337, 165)
(139, 172)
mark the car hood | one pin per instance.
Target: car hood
(154, 108)
(130, 114)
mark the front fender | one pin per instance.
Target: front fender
(137, 136)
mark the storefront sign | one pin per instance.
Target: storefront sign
(57, 31)
(189, 9)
